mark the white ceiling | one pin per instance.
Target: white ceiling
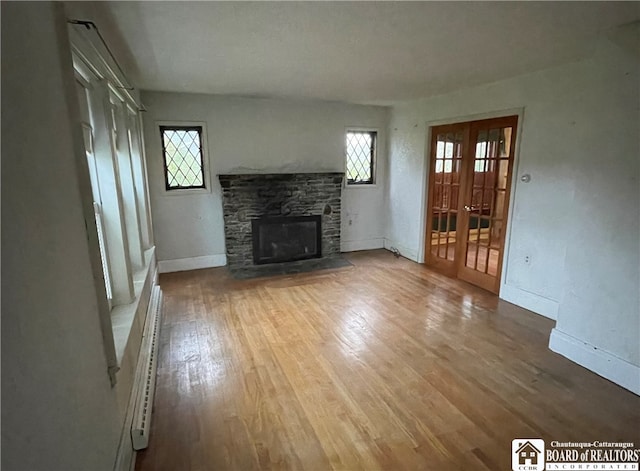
(361, 52)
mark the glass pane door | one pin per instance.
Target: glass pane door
(486, 204)
(446, 172)
(469, 181)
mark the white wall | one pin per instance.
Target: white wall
(252, 135)
(600, 304)
(59, 411)
(578, 217)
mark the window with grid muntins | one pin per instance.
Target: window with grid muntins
(361, 148)
(183, 161)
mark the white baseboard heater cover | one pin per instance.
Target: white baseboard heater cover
(146, 372)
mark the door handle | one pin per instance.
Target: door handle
(467, 208)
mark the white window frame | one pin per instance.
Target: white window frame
(159, 160)
(102, 79)
(84, 80)
(374, 179)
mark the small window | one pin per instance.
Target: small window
(183, 157)
(360, 153)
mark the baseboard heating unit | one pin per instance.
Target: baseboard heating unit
(146, 373)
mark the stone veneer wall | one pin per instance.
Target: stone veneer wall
(246, 197)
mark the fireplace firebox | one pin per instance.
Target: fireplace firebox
(286, 239)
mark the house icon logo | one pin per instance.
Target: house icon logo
(527, 454)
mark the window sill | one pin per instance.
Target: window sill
(129, 318)
(185, 192)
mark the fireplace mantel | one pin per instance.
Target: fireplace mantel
(279, 176)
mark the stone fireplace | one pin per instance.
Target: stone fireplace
(281, 223)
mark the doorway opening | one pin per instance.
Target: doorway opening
(470, 172)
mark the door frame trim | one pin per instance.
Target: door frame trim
(520, 113)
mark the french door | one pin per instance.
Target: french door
(469, 180)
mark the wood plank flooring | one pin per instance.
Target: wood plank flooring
(383, 365)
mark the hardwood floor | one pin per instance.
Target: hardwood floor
(383, 365)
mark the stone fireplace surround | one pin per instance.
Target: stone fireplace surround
(249, 196)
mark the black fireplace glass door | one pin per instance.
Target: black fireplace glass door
(286, 239)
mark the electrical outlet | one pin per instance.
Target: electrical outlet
(527, 259)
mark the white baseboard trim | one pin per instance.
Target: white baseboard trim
(355, 245)
(193, 263)
(533, 302)
(405, 251)
(605, 364)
